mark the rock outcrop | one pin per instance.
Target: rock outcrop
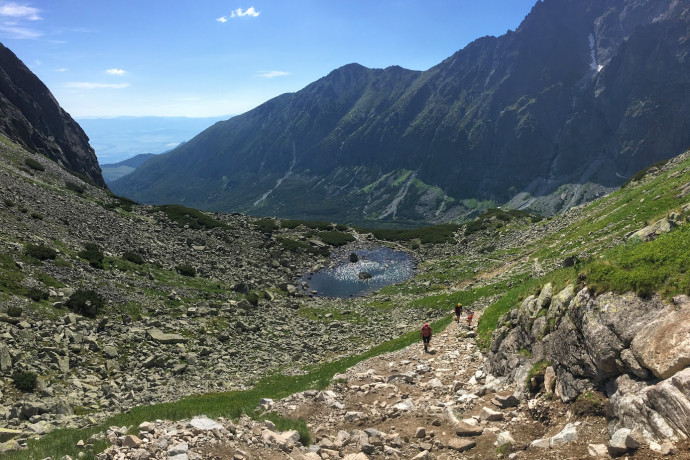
(31, 117)
(636, 350)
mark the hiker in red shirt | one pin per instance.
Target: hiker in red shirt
(426, 336)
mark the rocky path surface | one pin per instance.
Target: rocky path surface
(403, 405)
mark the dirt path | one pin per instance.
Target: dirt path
(401, 405)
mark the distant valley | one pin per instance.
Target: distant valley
(120, 138)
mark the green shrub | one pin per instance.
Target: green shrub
(92, 253)
(253, 298)
(8, 203)
(37, 216)
(33, 164)
(40, 252)
(74, 187)
(25, 381)
(86, 302)
(335, 238)
(266, 225)
(15, 312)
(37, 294)
(133, 257)
(193, 218)
(186, 270)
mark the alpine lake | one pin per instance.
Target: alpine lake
(350, 276)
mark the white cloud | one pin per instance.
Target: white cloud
(251, 12)
(15, 10)
(92, 85)
(272, 73)
(12, 18)
(20, 33)
(222, 19)
(61, 69)
(115, 72)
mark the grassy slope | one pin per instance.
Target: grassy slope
(657, 266)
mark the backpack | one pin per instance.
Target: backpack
(426, 331)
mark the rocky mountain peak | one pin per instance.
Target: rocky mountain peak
(30, 116)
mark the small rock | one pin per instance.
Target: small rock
(597, 450)
(420, 433)
(491, 415)
(461, 445)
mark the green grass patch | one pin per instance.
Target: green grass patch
(645, 268)
(182, 216)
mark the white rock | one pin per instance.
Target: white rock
(404, 405)
(541, 443)
(567, 434)
(504, 437)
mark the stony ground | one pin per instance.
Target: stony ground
(402, 405)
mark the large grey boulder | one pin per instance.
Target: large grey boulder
(664, 345)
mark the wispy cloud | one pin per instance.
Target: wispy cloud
(115, 72)
(15, 10)
(61, 69)
(13, 17)
(240, 13)
(93, 85)
(272, 73)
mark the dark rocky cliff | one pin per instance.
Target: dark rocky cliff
(567, 107)
(30, 116)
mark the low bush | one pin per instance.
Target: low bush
(74, 187)
(33, 164)
(92, 253)
(40, 252)
(133, 257)
(37, 294)
(335, 238)
(266, 225)
(37, 216)
(25, 381)
(86, 302)
(186, 270)
(15, 312)
(193, 218)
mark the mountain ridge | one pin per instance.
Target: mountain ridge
(31, 116)
(564, 109)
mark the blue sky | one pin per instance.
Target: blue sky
(103, 58)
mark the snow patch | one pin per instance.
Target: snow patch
(593, 53)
